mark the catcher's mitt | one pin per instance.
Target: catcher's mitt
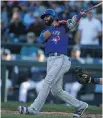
(82, 76)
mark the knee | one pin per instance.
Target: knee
(56, 92)
(47, 83)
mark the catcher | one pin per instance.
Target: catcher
(84, 78)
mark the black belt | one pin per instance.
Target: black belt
(55, 54)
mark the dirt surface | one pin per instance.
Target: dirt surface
(55, 114)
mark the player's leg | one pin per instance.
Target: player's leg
(55, 64)
(67, 88)
(69, 99)
(24, 87)
(65, 96)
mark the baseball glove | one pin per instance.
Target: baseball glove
(82, 76)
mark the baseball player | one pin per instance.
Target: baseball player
(58, 63)
(84, 78)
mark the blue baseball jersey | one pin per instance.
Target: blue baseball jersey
(58, 41)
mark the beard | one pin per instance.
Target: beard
(49, 22)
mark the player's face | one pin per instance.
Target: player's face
(48, 20)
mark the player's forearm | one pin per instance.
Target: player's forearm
(48, 33)
(45, 35)
(76, 18)
(72, 23)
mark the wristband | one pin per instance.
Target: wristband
(78, 17)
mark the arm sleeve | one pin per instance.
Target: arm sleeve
(41, 37)
(71, 25)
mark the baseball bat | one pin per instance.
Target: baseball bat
(93, 7)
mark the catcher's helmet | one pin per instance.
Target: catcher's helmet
(50, 12)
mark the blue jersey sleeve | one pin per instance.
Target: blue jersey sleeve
(41, 37)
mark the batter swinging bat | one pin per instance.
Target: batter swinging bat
(93, 7)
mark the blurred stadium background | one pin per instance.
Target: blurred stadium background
(23, 64)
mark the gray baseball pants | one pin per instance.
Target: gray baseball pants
(56, 67)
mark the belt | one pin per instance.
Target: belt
(55, 54)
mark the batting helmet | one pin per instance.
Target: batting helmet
(50, 12)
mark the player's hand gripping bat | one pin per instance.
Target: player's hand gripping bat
(82, 13)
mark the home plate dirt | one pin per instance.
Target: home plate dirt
(55, 114)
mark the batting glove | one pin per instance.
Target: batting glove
(82, 12)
